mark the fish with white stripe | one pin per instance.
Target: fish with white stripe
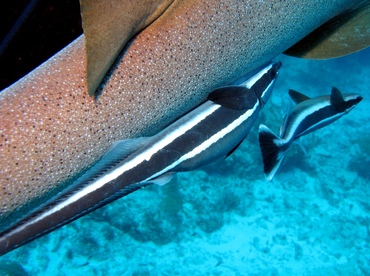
(210, 132)
(308, 115)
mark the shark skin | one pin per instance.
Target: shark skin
(51, 130)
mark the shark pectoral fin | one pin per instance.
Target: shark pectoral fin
(344, 34)
(297, 97)
(108, 25)
(163, 179)
(234, 97)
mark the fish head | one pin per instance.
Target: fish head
(272, 73)
(261, 81)
(351, 100)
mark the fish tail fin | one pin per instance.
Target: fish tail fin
(272, 151)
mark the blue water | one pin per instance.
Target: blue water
(313, 218)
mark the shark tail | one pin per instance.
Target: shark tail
(272, 151)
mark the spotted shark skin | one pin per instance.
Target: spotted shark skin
(51, 130)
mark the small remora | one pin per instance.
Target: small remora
(308, 115)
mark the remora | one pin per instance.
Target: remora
(308, 115)
(210, 132)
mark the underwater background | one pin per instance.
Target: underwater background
(313, 218)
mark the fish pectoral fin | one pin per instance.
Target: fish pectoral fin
(297, 97)
(234, 97)
(299, 143)
(117, 153)
(163, 179)
(108, 26)
(123, 148)
(234, 149)
(337, 100)
(344, 34)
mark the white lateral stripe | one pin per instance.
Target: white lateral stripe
(181, 130)
(251, 81)
(129, 165)
(323, 121)
(301, 116)
(207, 143)
(267, 89)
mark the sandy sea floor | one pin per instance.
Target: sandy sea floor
(313, 218)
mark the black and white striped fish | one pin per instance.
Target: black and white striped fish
(308, 115)
(210, 132)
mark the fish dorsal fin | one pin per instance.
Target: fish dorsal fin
(297, 97)
(337, 100)
(108, 26)
(119, 151)
(346, 33)
(234, 97)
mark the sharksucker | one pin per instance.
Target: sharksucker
(308, 115)
(208, 133)
(51, 130)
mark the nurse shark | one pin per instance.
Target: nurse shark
(52, 130)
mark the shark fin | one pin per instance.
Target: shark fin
(234, 97)
(297, 97)
(346, 33)
(108, 26)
